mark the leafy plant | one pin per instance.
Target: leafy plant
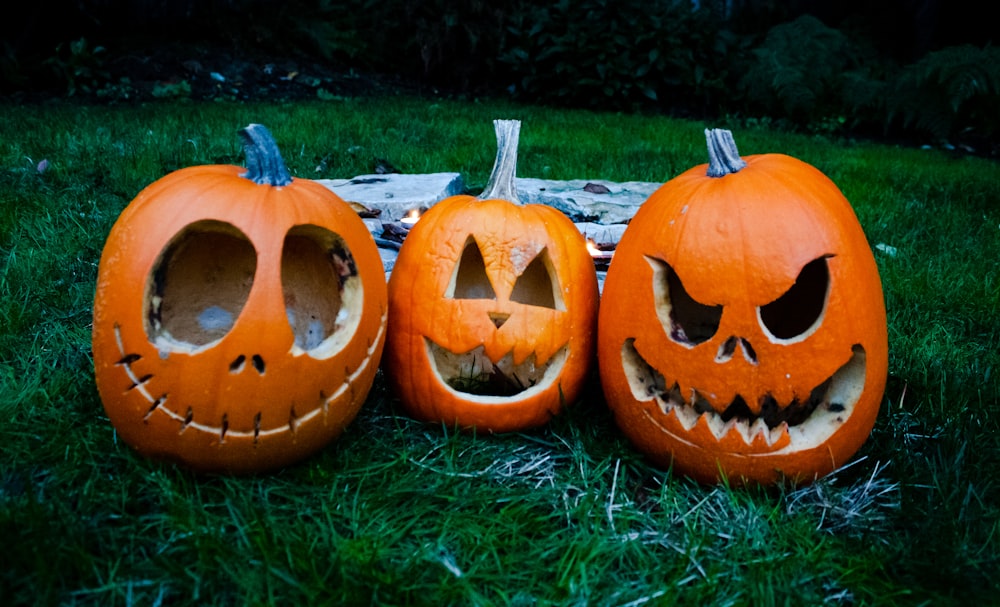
(949, 91)
(620, 55)
(799, 70)
(80, 65)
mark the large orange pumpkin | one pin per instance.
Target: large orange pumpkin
(492, 308)
(239, 316)
(742, 324)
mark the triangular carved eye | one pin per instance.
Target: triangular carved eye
(470, 280)
(801, 308)
(535, 286)
(686, 320)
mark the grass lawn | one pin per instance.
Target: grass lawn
(398, 512)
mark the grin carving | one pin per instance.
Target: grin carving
(776, 425)
(474, 373)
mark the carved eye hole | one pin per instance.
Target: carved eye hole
(316, 278)
(686, 321)
(800, 310)
(469, 281)
(536, 285)
(199, 285)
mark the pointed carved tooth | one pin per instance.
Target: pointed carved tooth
(718, 427)
(743, 427)
(675, 397)
(779, 436)
(665, 404)
(759, 427)
(686, 416)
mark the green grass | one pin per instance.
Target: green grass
(397, 512)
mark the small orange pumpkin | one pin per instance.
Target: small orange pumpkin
(742, 329)
(492, 308)
(239, 317)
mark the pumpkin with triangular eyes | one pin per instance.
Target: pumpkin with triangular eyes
(239, 318)
(742, 331)
(492, 308)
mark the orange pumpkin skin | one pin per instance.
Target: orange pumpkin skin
(737, 244)
(509, 237)
(433, 324)
(262, 392)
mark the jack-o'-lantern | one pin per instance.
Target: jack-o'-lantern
(742, 331)
(238, 317)
(492, 308)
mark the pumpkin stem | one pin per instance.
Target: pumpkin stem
(723, 157)
(264, 163)
(501, 185)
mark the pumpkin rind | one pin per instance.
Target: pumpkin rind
(258, 397)
(737, 243)
(501, 331)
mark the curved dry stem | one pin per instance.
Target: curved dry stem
(264, 163)
(501, 185)
(723, 157)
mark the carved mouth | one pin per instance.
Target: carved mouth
(186, 419)
(474, 374)
(799, 424)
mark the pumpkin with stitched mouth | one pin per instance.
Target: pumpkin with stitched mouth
(492, 308)
(742, 331)
(239, 317)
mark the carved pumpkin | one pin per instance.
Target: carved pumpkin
(239, 317)
(742, 327)
(492, 308)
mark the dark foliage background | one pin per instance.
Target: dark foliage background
(919, 70)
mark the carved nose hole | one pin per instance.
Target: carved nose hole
(728, 348)
(499, 318)
(240, 363)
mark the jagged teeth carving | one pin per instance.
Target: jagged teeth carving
(776, 433)
(687, 416)
(826, 406)
(759, 427)
(718, 427)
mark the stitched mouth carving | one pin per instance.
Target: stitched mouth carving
(186, 420)
(800, 422)
(474, 373)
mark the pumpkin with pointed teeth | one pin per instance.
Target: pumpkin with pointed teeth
(742, 331)
(492, 308)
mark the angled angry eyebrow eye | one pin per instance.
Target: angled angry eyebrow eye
(801, 307)
(686, 320)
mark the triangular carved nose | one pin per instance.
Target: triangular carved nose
(728, 348)
(499, 318)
